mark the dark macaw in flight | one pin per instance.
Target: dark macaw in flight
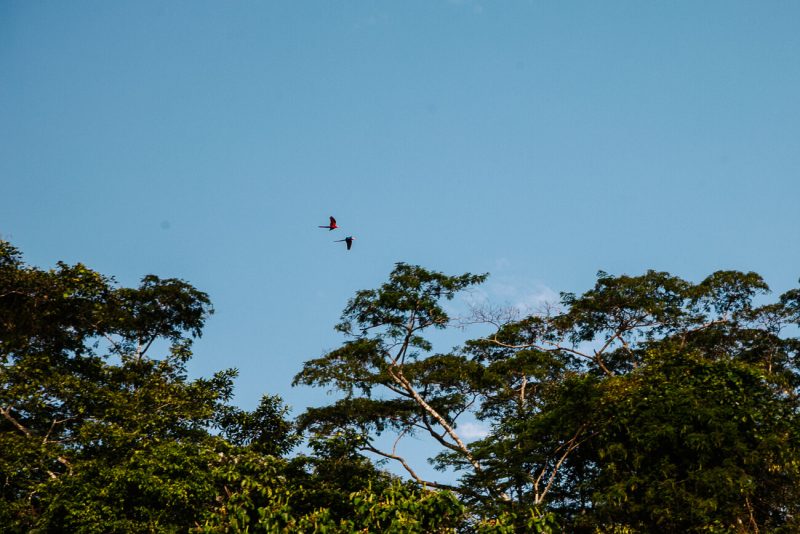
(332, 226)
(348, 240)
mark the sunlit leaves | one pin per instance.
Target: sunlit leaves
(688, 441)
(642, 395)
(648, 403)
(409, 299)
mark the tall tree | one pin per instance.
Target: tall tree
(101, 430)
(389, 378)
(648, 403)
(95, 433)
(562, 393)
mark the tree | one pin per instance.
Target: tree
(648, 403)
(693, 441)
(98, 434)
(563, 392)
(386, 351)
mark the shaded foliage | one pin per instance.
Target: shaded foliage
(646, 404)
(99, 435)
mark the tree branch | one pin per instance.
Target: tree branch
(555, 347)
(66, 463)
(6, 412)
(461, 447)
(141, 352)
(440, 437)
(571, 445)
(52, 426)
(408, 468)
(115, 345)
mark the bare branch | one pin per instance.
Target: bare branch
(141, 353)
(408, 468)
(397, 390)
(703, 326)
(466, 407)
(602, 364)
(752, 518)
(52, 426)
(609, 341)
(554, 347)
(570, 445)
(115, 345)
(708, 324)
(65, 463)
(399, 437)
(6, 412)
(496, 316)
(440, 437)
(460, 446)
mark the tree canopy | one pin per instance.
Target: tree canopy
(99, 435)
(646, 404)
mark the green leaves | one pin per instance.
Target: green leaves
(648, 403)
(730, 293)
(357, 364)
(266, 430)
(97, 435)
(689, 442)
(407, 509)
(159, 308)
(654, 301)
(387, 361)
(409, 300)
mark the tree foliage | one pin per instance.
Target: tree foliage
(646, 404)
(98, 434)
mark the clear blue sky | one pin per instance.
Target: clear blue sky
(539, 141)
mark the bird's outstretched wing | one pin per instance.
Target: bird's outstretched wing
(332, 225)
(348, 240)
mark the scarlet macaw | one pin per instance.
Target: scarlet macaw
(332, 226)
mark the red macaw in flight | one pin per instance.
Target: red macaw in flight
(348, 240)
(332, 226)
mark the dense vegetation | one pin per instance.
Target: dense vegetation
(646, 404)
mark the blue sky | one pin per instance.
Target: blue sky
(537, 141)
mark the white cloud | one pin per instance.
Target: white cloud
(522, 296)
(472, 431)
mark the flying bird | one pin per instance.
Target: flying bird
(348, 240)
(332, 226)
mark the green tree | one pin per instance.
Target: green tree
(385, 370)
(562, 393)
(693, 442)
(648, 403)
(97, 435)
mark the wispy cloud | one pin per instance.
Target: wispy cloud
(520, 295)
(472, 431)
(503, 298)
